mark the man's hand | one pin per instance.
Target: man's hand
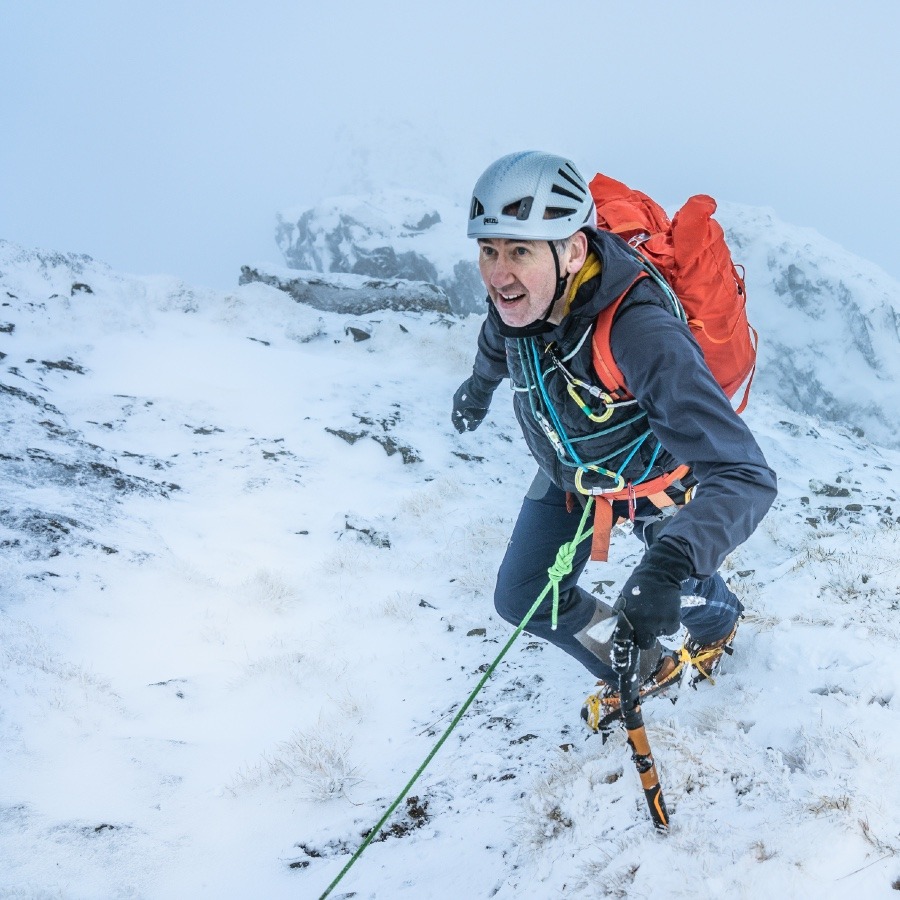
(471, 402)
(651, 598)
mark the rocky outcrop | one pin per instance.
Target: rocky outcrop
(353, 294)
(387, 236)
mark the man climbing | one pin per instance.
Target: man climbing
(549, 272)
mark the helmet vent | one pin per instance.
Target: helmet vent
(574, 181)
(556, 189)
(477, 209)
(558, 212)
(521, 209)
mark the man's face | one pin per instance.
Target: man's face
(520, 278)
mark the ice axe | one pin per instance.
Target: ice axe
(625, 659)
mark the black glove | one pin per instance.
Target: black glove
(651, 598)
(471, 402)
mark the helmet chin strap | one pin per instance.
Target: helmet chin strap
(561, 280)
(542, 324)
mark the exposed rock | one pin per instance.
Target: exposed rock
(357, 333)
(354, 294)
(388, 235)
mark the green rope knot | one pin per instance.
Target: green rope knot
(561, 567)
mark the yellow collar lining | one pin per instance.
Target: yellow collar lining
(590, 269)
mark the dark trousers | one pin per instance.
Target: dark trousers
(543, 526)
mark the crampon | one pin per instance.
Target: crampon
(693, 662)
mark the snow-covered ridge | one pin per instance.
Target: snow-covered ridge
(829, 323)
(388, 234)
(64, 474)
(343, 293)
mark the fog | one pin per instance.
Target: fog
(165, 138)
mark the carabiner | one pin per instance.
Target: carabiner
(588, 411)
(619, 480)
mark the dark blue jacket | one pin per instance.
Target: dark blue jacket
(685, 408)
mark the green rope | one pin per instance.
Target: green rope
(561, 567)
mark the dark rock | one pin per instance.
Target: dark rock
(354, 294)
(63, 365)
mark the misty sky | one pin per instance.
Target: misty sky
(164, 137)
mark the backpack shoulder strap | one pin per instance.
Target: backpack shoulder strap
(608, 372)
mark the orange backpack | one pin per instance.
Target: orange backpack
(691, 256)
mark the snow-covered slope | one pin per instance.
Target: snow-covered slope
(829, 323)
(247, 572)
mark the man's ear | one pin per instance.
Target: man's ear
(578, 250)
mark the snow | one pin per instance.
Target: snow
(246, 565)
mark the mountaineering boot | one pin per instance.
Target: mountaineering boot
(602, 707)
(705, 659)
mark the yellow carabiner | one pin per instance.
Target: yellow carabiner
(619, 486)
(604, 397)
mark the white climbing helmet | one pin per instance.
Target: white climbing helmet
(530, 196)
